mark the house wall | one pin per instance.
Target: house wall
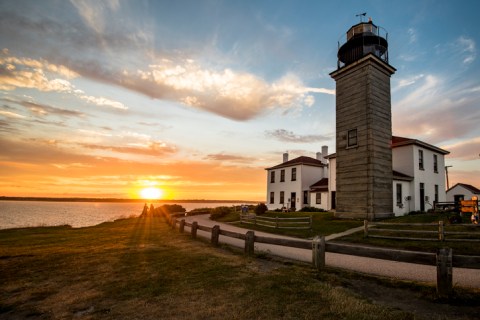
(306, 176)
(406, 160)
(323, 199)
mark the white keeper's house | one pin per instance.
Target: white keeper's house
(418, 179)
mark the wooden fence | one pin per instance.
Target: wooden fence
(444, 259)
(439, 230)
(278, 223)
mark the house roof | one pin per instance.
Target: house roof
(401, 141)
(400, 176)
(469, 187)
(320, 185)
(302, 160)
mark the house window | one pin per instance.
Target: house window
(282, 197)
(272, 197)
(305, 197)
(352, 140)
(435, 163)
(294, 174)
(436, 193)
(282, 175)
(272, 177)
(399, 193)
(420, 160)
(318, 198)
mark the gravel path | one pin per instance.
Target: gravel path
(462, 277)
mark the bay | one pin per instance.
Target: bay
(20, 214)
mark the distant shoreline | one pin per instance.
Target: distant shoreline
(52, 199)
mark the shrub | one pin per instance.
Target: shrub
(199, 211)
(219, 212)
(167, 209)
(311, 209)
(173, 208)
(260, 209)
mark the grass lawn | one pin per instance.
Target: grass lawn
(463, 247)
(324, 223)
(139, 268)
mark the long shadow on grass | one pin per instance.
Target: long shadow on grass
(140, 268)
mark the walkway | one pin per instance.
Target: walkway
(469, 278)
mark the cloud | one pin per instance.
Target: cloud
(229, 157)
(465, 150)
(437, 112)
(232, 94)
(101, 101)
(93, 12)
(10, 114)
(405, 82)
(154, 148)
(412, 33)
(30, 73)
(468, 49)
(43, 110)
(289, 136)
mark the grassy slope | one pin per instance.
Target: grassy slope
(141, 269)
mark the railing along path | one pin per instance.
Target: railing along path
(444, 259)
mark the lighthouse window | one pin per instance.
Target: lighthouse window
(352, 140)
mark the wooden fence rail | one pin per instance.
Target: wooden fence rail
(278, 223)
(444, 260)
(439, 231)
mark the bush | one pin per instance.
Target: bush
(260, 209)
(311, 209)
(198, 211)
(219, 212)
(173, 208)
(166, 209)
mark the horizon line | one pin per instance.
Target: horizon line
(111, 199)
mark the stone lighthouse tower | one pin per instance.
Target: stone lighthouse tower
(363, 124)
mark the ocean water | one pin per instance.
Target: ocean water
(19, 214)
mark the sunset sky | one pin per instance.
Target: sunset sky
(197, 98)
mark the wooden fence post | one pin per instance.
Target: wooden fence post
(276, 222)
(249, 243)
(182, 225)
(215, 235)
(441, 231)
(318, 252)
(444, 272)
(194, 229)
(174, 222)
(311, 222)
(365, 228)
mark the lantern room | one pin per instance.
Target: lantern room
(362, 39)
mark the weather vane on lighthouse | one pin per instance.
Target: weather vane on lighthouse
(361, 15)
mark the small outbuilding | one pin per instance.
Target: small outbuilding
(462, 191)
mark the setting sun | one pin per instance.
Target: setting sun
(151, 193)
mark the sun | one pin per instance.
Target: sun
(151, 193)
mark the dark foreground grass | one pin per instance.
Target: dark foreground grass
(139, 268)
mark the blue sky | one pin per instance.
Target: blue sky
(198, 97)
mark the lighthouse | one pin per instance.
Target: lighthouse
(363, 124)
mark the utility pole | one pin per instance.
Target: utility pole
(446, 173)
